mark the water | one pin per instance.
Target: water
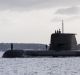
(40, 66)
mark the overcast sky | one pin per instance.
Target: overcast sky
(33, 21)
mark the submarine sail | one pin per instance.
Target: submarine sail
(63, 41)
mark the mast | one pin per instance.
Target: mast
(62, 27)
(11, 46)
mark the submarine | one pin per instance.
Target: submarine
(61, 45)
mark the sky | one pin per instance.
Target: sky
(33, 21)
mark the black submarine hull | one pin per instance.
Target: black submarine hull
(61, 45)
(24, 54)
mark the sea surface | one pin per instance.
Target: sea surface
(40, 66)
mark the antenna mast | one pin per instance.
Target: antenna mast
(62, 27)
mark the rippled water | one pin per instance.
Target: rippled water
(40, 66)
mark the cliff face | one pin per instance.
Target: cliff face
(22, 46)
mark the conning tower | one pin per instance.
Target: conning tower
(62, 41)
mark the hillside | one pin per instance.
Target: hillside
(22, 46)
